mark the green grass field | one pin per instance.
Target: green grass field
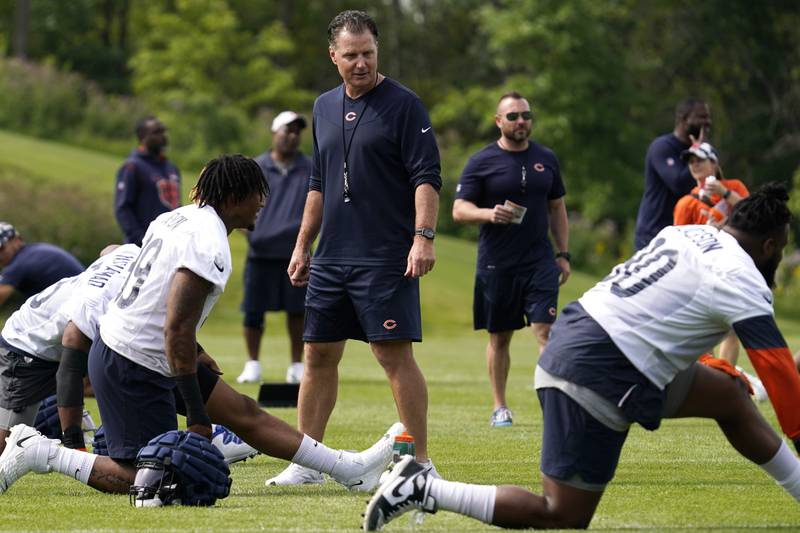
(682, 477)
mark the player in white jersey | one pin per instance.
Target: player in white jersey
(625, 353)
(147, 347)
(31, 341)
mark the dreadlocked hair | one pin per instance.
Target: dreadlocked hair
(764, 211)
(229, 176)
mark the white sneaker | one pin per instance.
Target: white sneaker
(405, 489)
(362, 471)
(233, 448)
(430, 469)
(294, 373)
(296, 475)
(759, 391)
(26, 450)
(251, 373)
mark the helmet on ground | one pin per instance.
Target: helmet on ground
(180, 468)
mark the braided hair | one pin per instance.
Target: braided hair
(229, 176)
(763, 212)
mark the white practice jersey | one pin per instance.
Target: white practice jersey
(190, 237)
(97, 286)
(36, 328)
(677, 298)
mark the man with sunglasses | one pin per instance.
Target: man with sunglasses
(513, 188)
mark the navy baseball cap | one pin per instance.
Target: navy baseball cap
(7, 232)
(701, 150)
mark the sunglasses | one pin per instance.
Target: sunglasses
(514, 115)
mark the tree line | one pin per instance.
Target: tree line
(602, 76)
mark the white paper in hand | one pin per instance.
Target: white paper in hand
(518, 210)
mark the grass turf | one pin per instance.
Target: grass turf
(683, 477)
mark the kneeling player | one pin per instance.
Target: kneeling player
(147, 347)
(31, 352)
(625, 353)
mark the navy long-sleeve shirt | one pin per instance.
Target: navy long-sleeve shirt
(38, 265)
(146, 187)
(392, 151)
(666, 180)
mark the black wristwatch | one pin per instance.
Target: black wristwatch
(565, 255)
(428, 233)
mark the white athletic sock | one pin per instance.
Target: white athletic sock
(476, 501)
(785, 470)
(73, 463)
(315, 455)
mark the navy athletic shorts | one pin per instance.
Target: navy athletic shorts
(136, 403)
(24, 379)
(580, 351)
(362, 303)
(505, 301)
(267, 288)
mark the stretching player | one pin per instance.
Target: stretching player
(31, 344)
(624, 353)
(147, 347)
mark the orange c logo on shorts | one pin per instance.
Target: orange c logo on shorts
(390, 324)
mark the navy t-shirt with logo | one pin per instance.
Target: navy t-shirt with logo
(666, 180)
(392, 150)
(530, 178)
(278, 223)
(38, 265)
(146, 187)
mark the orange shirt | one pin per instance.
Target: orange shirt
(691, 210)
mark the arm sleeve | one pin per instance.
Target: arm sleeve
(418, 147)
(315, 179)
(125, 203)
(676, 178)
(470, 185)
(774, 365)
(557, 189)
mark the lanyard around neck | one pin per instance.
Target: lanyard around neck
(347, 145)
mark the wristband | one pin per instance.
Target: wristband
(565, 255)
(797, 444)
(727, 194)
(189, 388)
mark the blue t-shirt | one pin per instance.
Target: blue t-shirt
(666, 180)
(278, 223)
(146, 187)
(392, 152)
(37, 266)
(493, 176)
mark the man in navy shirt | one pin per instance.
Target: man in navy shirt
(147, 184)
(513, 188)
(374, 194)
(31, 268)
(266, 285)
(666, 176)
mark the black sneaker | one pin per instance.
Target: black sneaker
(405, 489)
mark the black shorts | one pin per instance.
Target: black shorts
(24, 379)
(267, 288)
(362, 303)
(505, 301)
(576, 448)
(575, 443)
(136, 403)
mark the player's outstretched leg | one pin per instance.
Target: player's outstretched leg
(274, 437)
(27, 450)
(715, 394)
(409, 487)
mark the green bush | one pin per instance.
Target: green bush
(69, 217)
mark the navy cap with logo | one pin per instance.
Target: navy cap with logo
(7, 232)
(701, 150)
